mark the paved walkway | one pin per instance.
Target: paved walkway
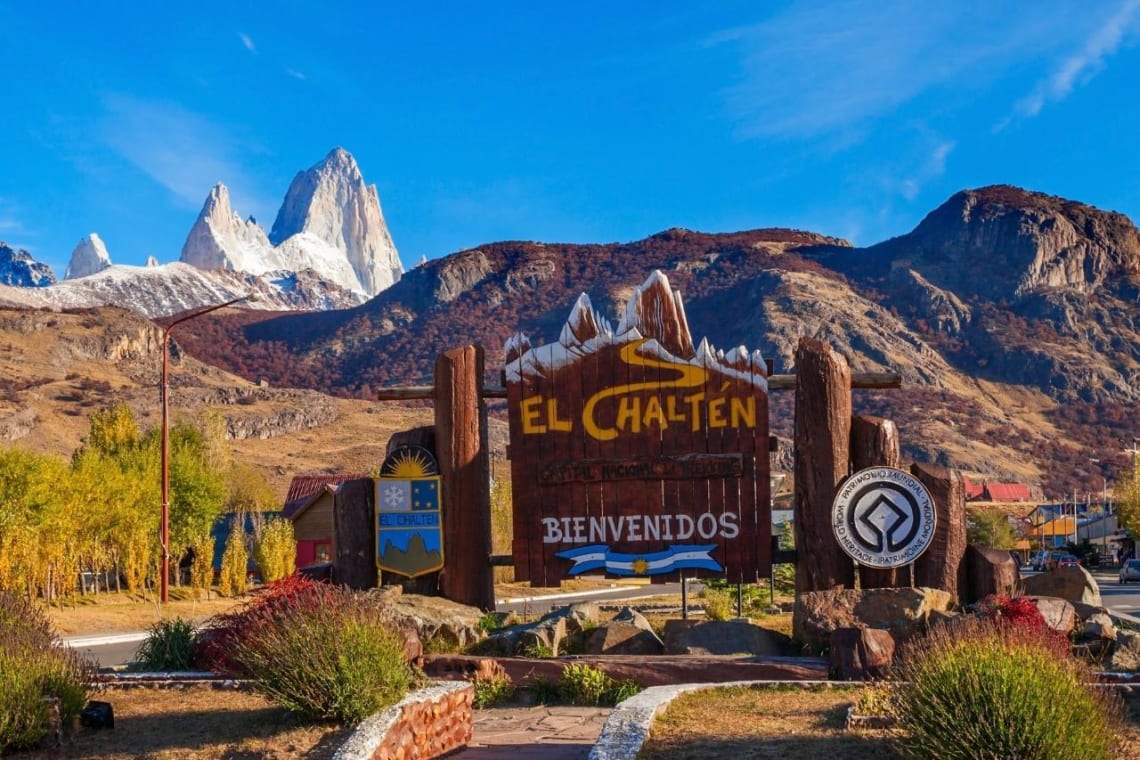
(550, 732)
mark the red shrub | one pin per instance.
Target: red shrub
(269, 602)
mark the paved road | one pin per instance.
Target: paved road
(115, 650)
(119, 649)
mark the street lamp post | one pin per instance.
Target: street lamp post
(164, 525)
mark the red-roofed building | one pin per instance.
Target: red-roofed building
(974, 490)
(1006, 492)
(309, 504)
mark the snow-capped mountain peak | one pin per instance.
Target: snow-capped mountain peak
(220, 239)
(89, 256)
(331, 203)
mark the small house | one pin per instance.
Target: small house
(309, 505)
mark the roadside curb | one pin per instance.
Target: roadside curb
(627, 728)
(98, 640)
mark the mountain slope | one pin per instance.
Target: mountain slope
(1012, 316)
(56, 369)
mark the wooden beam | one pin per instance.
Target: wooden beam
(862, 380)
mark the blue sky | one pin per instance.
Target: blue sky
(572, 122)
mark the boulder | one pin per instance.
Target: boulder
(1125, 652)
(433, 617)
(1099, 626)
(1058, 613)
(861, 654)
(628, 633)
(623, 638)
(1085, 611)
(545, 635)
(1073, 584)
(902, 611)
(989, 571)
(719, 637)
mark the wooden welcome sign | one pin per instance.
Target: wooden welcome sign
(632, 453)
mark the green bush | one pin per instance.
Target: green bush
(718, 603)
(986, 688)
(324, 653)
(583, 684)
(32, 668)
(169, 645)
(490, 692)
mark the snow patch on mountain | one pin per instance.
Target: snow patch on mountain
(89, 256)
(160, 291)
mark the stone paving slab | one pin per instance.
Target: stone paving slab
(550, 732)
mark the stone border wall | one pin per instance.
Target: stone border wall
(428, 723)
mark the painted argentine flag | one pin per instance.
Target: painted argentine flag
(595, 556)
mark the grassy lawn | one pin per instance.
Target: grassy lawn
(119, 612)
(196, 723)
(789, 724)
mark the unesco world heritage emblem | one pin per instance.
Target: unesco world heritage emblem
(409, 532)
(883, 517)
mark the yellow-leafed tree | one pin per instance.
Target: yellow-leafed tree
(235, 560)
(276, 551)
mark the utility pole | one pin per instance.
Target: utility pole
(164, 518)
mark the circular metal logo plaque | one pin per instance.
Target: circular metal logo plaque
(883, 517)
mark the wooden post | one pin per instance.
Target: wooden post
(941, 565)
(355, 562)
(875, 441)
(464, 467)
(822, 442)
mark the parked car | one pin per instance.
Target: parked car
(1054, 558)
(1068, 560)
(1130, 571)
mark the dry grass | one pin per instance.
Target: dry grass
(115, 613)
(197, 723)
(789, 724)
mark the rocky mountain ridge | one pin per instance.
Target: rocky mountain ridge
(1012, 316)
(330, 249)
(19, 269)
(330, 222)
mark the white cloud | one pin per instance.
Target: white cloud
(1080, 67)
(247, 41)
(178, 149)
(295, 74)
(933, 167)
(834, 70)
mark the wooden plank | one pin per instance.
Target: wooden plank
(465, 469)
(822, 441)
(875, 441)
